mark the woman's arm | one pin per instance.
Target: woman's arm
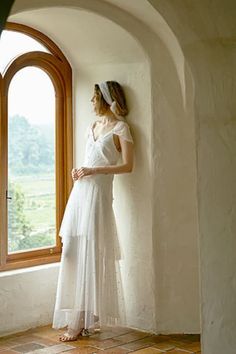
(125, 167)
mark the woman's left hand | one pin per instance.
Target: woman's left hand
(84, 171)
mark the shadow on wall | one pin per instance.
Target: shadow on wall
(133, 209)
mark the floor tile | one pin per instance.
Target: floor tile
(3, 345)
(159, 338)
(105, 335)
(138, 344)
(88, 342)
(113, 332)
(109, 340)
(44, 340)
(132, 336)
(185, 337)
(116, 350)
(164, 346)
(120, 330)
(27, 347)
(84, 350)
(194, 347)
(150, 350)
(17, 341)
(180, 351)
(108, 343)
(53, 349)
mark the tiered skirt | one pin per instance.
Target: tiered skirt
(89, 290)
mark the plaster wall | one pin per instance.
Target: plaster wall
(215, 106)
(159, 229)
(206, 33)
(27, 298)
(175, 227)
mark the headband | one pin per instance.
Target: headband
(107, 97)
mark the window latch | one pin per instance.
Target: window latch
(7, 195)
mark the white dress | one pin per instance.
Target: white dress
(89, 293)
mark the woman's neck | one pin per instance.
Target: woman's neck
(107, 119)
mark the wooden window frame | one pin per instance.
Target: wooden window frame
(59, 70)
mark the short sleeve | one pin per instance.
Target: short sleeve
(122, 129)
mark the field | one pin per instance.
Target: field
(39, 206)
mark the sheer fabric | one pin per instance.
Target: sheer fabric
(89, 290)
(122, 129)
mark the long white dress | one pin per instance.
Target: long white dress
(89, 293)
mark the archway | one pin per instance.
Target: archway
(159, 222)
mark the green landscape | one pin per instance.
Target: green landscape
(31, 165)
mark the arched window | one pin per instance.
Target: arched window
(35, 146)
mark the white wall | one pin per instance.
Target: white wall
(206, 33)
(215, 99)
(158, 223)
(175, 226)
(27, 298)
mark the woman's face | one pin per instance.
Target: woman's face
(94, 100)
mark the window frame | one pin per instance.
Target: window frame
(59, 70)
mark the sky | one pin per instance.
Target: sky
(31, 92)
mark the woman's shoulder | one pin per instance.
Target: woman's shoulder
(123, 130)
(121, 124)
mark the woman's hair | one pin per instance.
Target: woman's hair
(117, 95)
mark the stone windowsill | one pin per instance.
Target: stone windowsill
(9, 273)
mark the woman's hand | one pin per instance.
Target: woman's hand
(78, 173)
(84, 171)
(74, 174)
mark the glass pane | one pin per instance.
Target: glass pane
(31, 161)
(13, 44)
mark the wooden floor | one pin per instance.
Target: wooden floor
(44, 340)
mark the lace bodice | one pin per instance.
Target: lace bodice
(102, 151)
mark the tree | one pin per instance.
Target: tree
(19, 227)
(31, 147)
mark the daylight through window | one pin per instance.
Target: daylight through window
(36, 131)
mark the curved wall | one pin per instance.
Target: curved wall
(157, 202)
(206, 33)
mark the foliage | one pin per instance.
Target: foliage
(31, 147)
(19, 227)
(30, 154)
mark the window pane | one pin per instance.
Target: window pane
(13, 44)
(31, 161)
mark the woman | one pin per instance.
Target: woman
(87, 291)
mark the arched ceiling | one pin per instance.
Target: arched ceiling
(187, 20)
(203, 19)
(150, 36)
(139, 18)
(84, 36)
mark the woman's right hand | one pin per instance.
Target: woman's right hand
(74, 174)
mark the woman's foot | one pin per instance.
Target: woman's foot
(70, 335)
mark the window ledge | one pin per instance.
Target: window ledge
(8, 273)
